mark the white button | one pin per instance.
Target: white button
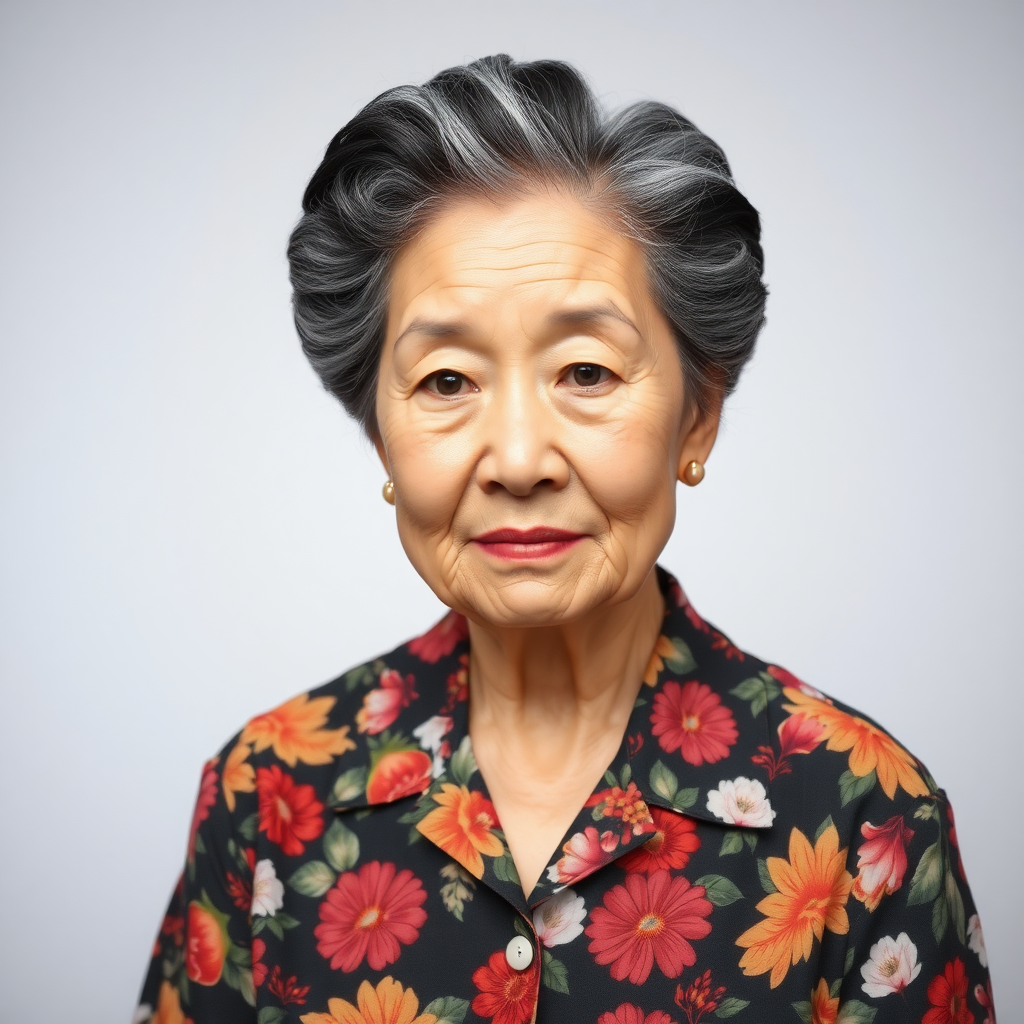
(519, 953)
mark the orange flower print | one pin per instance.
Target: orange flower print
(462, 825)
(824, 1009)
(239, 776)
(664, 648)
(296, 732)
(871, 750)
(388, 1003)
(398, 773)
(168, 1008)
(628, 805)
(813, 887)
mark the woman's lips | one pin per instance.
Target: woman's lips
(522, 545)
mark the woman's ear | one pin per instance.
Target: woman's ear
(699, 438)
(382, 452)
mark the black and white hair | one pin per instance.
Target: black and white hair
(497, 126)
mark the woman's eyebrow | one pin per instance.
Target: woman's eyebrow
(590, 316)
(433, 329)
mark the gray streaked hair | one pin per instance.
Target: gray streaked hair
(497, 126)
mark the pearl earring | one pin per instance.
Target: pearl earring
(389, 492)
(693, 474)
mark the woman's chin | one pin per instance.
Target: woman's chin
(527, 598)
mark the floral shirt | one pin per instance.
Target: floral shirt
(755, 851)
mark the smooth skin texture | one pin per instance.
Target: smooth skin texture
(528, 379)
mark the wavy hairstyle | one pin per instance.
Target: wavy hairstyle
(497, 126)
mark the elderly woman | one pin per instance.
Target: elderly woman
(572, 799)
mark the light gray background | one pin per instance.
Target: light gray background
(192, 532)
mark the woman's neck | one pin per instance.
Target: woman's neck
(563, 684)
(547, 711)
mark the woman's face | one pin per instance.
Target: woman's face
(531, 411)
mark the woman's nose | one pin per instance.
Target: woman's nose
(521, 448)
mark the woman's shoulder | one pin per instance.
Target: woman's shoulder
(382, 705)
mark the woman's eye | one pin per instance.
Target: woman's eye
(587, 375)
(446, 383)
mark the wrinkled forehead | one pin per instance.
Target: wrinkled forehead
(482, 258)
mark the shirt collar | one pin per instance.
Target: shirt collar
(694, 745)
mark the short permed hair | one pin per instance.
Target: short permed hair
(497, 126)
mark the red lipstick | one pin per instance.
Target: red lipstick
(526, 545)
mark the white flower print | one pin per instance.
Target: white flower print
(267, 890)
(741, 802)
(431, 734)
(891, 967)
(976, 939)
(559, 919)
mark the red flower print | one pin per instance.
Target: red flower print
(699, 997)
(800, 735)
(240, 890)
(627, 1013)
(670, 846)
(382, 705)
(175, 928)
(948, 995)
(370, 914)
(206, 799)
(695, 620)
(206, 943)
(635, 744)
(583, 854)
(291, 815)
(692, 720)
(881, 860)
(784, 677)
(397, 774)
(259, 969)
(649, 920)
(984, 996)
(440, 640)
(507, 996)
(720, 642)
(287, 991)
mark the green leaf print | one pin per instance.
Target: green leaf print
(350, 784)
(732, 842)
(271, 1015)
(924, 886)
(719, 890)
(856, 1012)
(462, 763)
(852, 786)
(448, 1009)
(313, 879)
(341, 846)
(765, 875)
(664, 781)
(553, 974)
(458, 890)
(681, 659)
(730, 1006)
